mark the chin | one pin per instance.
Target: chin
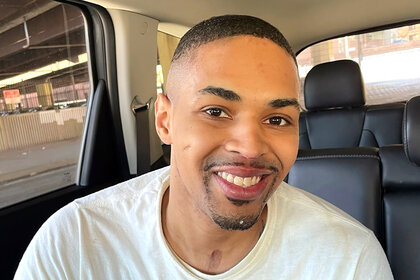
(234, 222)
(237, 215)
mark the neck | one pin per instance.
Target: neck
(198, 241)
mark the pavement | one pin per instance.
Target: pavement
(15, 164)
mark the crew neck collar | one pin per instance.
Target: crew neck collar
(239, 270)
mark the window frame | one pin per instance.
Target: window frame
(19, 222)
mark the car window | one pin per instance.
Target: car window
(44, 88)
(389, 61)
(166, 44)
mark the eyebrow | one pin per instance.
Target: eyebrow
(221, 92)
(233, 96)
(284, 102)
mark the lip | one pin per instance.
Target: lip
(235, 192)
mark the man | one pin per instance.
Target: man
(221, 210)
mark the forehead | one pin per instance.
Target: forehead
(246, 64)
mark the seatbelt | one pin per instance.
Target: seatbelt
(141, 112)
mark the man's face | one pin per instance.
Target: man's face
(233, 126)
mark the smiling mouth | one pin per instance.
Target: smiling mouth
(244, 182)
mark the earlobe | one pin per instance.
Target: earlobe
(163, 110)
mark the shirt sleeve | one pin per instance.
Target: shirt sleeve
(53, 251)
(373, 263)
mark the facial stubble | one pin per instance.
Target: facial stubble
(232, 222)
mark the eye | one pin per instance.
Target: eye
(276, 121)
(216, 112)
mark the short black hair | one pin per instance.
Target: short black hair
(220, 27)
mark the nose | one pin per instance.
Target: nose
(246, 139)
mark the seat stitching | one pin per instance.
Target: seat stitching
(337, 156)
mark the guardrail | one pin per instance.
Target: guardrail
(24, 130)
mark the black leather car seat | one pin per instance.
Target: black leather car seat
(349, 178)
(336, 114)
(334, 99)
(383, 125)
(401, 182)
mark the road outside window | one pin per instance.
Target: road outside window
(44, 88)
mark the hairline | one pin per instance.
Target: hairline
(188, 56)
(190, 52)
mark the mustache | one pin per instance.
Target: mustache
(260, 164)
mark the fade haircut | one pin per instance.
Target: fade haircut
(225, 26)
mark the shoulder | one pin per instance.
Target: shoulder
(136, 199)
(311, 233)
(131, 191)
(87, 224)
(114, 207)
(317, 210)
(302, 216)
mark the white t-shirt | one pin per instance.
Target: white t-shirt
(117, 234)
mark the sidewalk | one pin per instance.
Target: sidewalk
(36, 159)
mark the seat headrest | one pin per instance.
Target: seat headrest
(411, 130)
(334, 84)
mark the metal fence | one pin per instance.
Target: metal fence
(43, 96)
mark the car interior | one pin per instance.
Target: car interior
(361, 156)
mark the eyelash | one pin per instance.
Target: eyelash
(216, 112)
(219, 112)
(283, 121)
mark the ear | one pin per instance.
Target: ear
(163, 113)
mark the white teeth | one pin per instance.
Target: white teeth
(247, 182)
(240, 181)
(229, 178)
